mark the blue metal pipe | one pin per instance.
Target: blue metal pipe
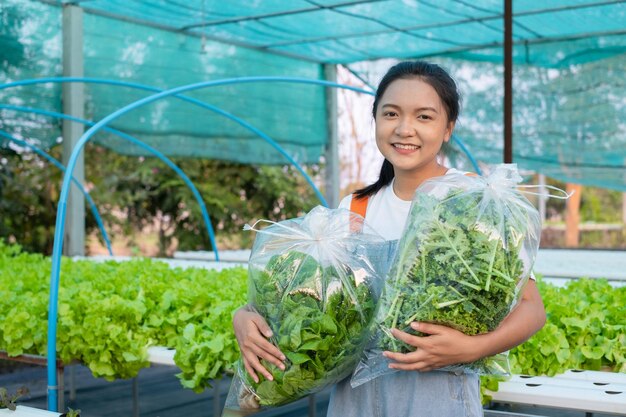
(55, 162)
(459, 142)
(137, 142)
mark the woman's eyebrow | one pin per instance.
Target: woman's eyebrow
(419, 109)
(427, 108)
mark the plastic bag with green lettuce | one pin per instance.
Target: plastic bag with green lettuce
(315, 279)
(466, 252)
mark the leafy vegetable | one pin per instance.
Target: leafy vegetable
(71, 413)
(458, 264)
(9, 401)
(585, 330)
(111, 312)
(318, 316)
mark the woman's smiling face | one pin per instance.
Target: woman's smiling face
(411, 125)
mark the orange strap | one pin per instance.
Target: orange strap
(359, 205)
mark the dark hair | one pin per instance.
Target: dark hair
(438, 79)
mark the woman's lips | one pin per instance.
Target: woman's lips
(405, 149)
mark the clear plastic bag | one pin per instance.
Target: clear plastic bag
(316, 281)
(466, 252)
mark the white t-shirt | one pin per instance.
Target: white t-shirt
(386, 212)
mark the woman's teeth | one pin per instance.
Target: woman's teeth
(412, 147)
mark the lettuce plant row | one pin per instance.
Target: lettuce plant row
(111, 312)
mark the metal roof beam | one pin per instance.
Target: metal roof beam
(570, 7)
(276, 14)
(531, 42)
(159, 26)
(436, 25)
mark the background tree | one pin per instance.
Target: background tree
(136, 195)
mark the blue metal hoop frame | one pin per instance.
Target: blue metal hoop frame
(161, 156)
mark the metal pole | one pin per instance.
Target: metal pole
(508, 81)
(60, 399)
(332, 146)
(217, 399)
(73, 98)
(72, 383)
(542, 198)
(312, 406)
(136, 397)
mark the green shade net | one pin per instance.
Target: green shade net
(343, 31)
(569, 74)
(292, 114)
(569, 123)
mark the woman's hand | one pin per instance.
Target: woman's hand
(441, 347)
(251, 331)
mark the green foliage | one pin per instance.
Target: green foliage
(597, 205)
(9, 401)
(71, 413)
(28, 199)
(207, 346)
(453, 269)
(133, 193)
(322, 332)
(110, 313)
(149, 193)
(585, 330)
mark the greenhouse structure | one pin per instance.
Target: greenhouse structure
(256, 83)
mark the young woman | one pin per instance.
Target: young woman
(415, 109)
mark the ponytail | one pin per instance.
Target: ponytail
(384, 179)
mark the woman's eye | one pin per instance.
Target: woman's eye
(389, 114)
(424, 117)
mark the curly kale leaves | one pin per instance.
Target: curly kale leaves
(458, 264)
(319, 317)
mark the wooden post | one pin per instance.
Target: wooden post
(508, 81)
(624, 209)
(572, 216)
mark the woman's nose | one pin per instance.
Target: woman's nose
(404, 128)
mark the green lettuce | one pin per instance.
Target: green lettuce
(319, 317)
(458, 264)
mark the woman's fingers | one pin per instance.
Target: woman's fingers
(251, 331)
(262, 325)
(410, 357)
(262, 348)
(407, 338)
(414, 366)
(249, 369)
(442, 347)
(255, 364)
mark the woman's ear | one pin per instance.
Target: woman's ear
(449, 131)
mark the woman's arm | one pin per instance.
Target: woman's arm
(445, 346)
(251, 331)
